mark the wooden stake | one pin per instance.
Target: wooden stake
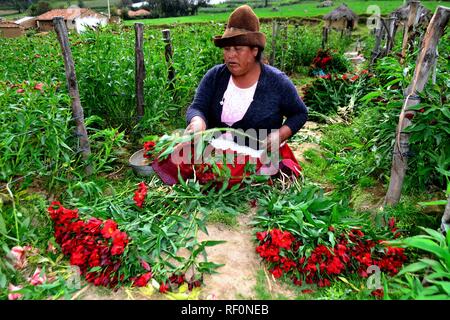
(168, 52)
(391, 24)
(274, 36)
(285, 41)
(376, 49)
(324, 37)
(139, 68)
(72, 85)
(424, 63)
(413, 5)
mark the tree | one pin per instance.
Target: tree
(21, 5)
(39, 8)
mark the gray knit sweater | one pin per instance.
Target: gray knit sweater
(275, 97)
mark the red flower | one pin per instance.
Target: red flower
(282, 239)
(94, 259)
(20, 91)
(149, 145)
(142, 280)
(78, 257)
(145, 265)
(307, 291)
(177, 279)
(93, 225)
(355, 77)
(378, 293)
(261, 235)
(140, 194)
(39, 86)
(108, 229)
(148, 149)
(324, 283)
(120, 240)
(391, 222)
(277, 272)
(164, 287)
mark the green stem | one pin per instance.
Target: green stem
(14, 211)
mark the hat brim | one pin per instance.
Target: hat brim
(245, 39)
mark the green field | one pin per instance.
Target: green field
(306, 9)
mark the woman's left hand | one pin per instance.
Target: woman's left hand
(276, 138)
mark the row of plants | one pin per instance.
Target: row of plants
(356, 154)
(366, 109)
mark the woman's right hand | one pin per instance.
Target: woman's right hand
(197, 124)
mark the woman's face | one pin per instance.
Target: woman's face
(240, 59)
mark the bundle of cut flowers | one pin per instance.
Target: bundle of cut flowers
(328, 61)
(107, 256)
(352, 253)
(97, 247)
(219, 168)
(321, 247)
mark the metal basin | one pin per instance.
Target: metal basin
(140, 165)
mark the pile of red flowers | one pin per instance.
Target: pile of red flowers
(140, 194)
(95, 244)
(322, 59)
(149, 153)
(353, 253)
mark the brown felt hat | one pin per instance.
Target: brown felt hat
(242, 30)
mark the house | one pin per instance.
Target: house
(141, 13)
(341, 18)
(75, 18)
(27, 22)
(9, 29)
(140, 4)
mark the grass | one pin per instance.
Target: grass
(305, 9)
(216, 216)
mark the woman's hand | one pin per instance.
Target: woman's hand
(197, 124)
(276, 138)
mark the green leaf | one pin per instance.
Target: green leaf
(445, 285)
(429, 246)
(445, 111)
(414, 267)
(2, 225)
(433, 203)
(208, 267)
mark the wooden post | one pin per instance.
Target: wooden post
(139, 69)
(324, 37)
(72, 85)
(413, 5)
(424, 63)
(168, 53)
(390, 34)
(376, 49)
(285, 42)
(274, 43)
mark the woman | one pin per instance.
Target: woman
(243, 93)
